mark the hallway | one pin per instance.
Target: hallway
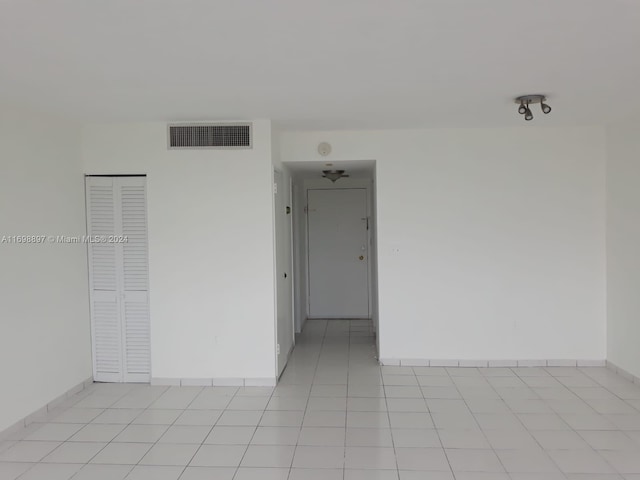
(337, 415)
(329, 352)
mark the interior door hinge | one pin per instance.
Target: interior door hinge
(275, 188)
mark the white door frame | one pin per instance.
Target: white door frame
(276, 273)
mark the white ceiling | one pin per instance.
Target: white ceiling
(323, 64)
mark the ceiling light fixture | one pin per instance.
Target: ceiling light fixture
(525, 100)
(333, 175)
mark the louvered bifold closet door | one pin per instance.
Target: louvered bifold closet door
(106, 330)
(135, 279)
(118, 278)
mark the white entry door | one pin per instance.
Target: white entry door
(118, 278)
(338, 253)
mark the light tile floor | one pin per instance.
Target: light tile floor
(337, 415)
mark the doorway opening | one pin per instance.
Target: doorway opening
(332, 246)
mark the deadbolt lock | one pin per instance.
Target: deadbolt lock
(361, 257)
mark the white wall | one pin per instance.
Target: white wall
(210, 248)
(501, 239)
(623, 245)
(45, 347)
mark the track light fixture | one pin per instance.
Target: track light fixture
(526, 100)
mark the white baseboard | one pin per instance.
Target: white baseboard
(46, 409)
(214, 382)
(531, 363)
(260, 382)
(438, 362)
(430, 362)
(503, 363)
(623, 373)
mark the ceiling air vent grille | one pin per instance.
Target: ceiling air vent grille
(211, 135)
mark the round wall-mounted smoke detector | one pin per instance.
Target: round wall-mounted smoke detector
(324, 149)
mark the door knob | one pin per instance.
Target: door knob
(361, 257)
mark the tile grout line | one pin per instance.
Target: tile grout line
(346, 411)
(386, 403)
(529, 431)
(477, 423)
(67, 441)
(598, 413)
(166, 389)
(131, 423)
(304, 413)
(571, 429)
(110, 441)
(254, 432)
(434, 423)
(184, 469)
